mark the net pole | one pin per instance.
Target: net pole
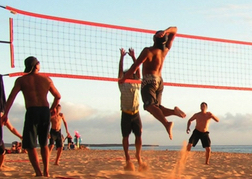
(11, 43)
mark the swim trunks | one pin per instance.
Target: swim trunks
(37, 123)
(56, 136)
(2, 148)
(203, 136)
(151, 90)
(131, 123)
(69, 140)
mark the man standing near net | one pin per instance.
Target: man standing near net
(152, 59)
(55, 132)
(201, 130)
(35, 88)
(130, 118)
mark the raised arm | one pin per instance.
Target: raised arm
(120, 69)
(142, 57)
(132, 54)
(171, 33)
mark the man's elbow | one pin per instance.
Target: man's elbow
(57, 97)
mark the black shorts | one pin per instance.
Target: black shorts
(2, 148)
(69, 140)
(131, 123)
(203, 136)
(56, 136)
(151, 90)
(37, 123)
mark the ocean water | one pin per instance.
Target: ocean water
(215, 148)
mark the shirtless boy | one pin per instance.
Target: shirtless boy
(203, 119)
(55, 132)
(35, 88)
(152, 86)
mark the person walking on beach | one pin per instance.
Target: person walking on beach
(69, 141)
(55, 132)
(201, 130)
(152, 59)
(130, 118)
(35, 88)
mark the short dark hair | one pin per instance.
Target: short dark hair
(204, 103)
(160, 41)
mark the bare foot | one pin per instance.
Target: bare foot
(178, 112)
(142, 167)
(169, 127)
(46, 174)
(129, 166)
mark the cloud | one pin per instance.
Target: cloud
(98, 126)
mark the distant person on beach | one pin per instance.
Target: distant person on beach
(201, 130)
(55, 132)
(69, 141)
(130, 118)
(152, 86)
(35, 88)
(2, 147)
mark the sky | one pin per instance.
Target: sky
(93, 107)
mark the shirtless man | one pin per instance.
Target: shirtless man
(55, 132)
(201, 130)
(35, 88)
(152, 59)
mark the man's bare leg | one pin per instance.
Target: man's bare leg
(129, 165)
(176, 111)
(33, 157)
(189, 146)
(51, 148)
(158, 114)
(45, 158)
(1, 160)
(138, 144)
(208, 153)
(59, 151)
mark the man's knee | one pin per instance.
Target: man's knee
(189, 146)
(208, 149)
(150, 107)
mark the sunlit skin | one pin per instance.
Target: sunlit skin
(203, 119)
(56, 120)
(138, 139)
(152, 59)
(35, 88)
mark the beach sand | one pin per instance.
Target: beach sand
(108, 164)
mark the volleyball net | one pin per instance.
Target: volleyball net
(88, 50)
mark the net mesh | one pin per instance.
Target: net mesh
(70, 48)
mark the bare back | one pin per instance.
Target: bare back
(154, 60)
(35, 88)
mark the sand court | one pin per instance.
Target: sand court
(108, 164)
